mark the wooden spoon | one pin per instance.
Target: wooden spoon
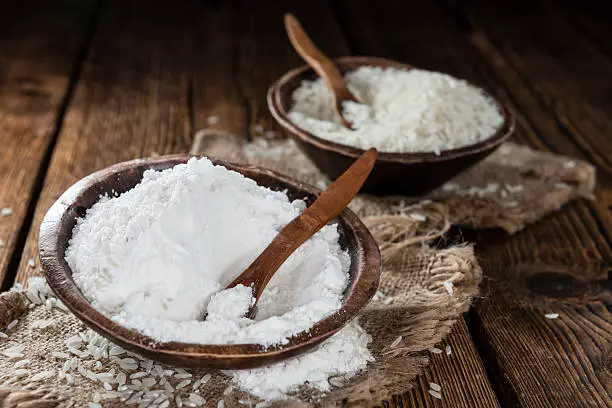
(322, 65)
(326, 207)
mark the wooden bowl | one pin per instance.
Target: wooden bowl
(56, 230)
(394, 173)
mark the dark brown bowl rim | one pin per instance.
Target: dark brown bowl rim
(280, 115)
(55, 270)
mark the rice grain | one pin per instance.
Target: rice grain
(435, 394)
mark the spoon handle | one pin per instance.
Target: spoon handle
(314, 57)
(326, 207)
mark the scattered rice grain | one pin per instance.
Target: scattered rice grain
(82, 370)
(570, 164)
(43, 375)
(60, 354)
(435, 387)
(148, 382)
(417, 217)
(20, 372)
(514, 188)
(115, 350)
(435, 394)
(22, 363)
(139, 374)
(551, 316)
(396, 342)
(134, 398)
(448, 285)
(182, 376)
(198, 399)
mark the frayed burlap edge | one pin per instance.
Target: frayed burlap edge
(513, 187)
(423, 292)
(12, 306)
(413, 312)
(422, 311)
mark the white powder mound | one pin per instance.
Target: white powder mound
(343, 355)
(92, 358)
(230, 304)
(152, 258)
(402, 111)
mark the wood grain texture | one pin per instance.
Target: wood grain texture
(575, 240)
(560, 264)
(461, 375)
(217, 102)
(417, 36)
(39, 47)
(149, 91)
(547, 50)
(549, 268)
(590, 17)
(258, 60)
(263, 51)
(323, 65)
(131, 101)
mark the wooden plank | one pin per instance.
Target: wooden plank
(263, 52)
(567, 73)
(546, 363)
(217, 101)
(131, 101)
(591, 17)
(39, 51)
(262, 58)
(538, 125)
(461, 375)
(434, 38)
(568, 251)
(423, 40)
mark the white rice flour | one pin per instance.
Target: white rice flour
(402, 111)
(152, 258)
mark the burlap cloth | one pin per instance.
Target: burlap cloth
(423, 290)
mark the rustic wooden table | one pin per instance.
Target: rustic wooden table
(84, 84)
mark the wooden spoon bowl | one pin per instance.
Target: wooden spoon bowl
(412, 174)
(56, 231)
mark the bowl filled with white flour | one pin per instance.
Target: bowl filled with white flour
(427, 126)
(141, 252)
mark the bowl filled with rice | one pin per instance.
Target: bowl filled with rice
(427, 126)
